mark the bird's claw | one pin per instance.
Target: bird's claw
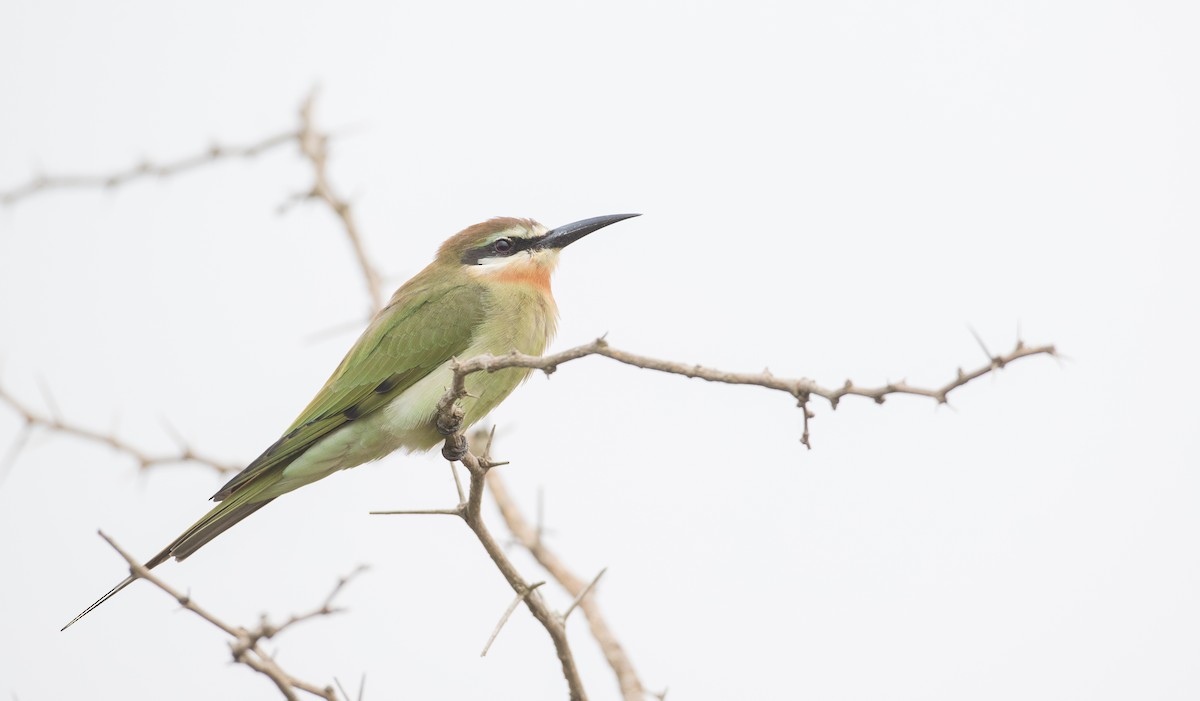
(452, 424)
(455, 448)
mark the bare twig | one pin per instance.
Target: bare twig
(801, 388)
(268, 630)
(145, 460)
(144, 169)
(245, 644)
(314, 146)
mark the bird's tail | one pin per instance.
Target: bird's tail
(213, 524)
(150, 564)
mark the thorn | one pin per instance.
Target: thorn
(341, 688)
(508, 612)
(979, 340)
(10, 458)
(175, 435)
(50, 403)
(586, 590)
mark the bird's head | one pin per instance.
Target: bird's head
(506, 249)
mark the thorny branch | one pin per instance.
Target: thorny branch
(145, 460)
(314, 145)
(245, 644)
(269, 630)
(802, 389)
(529, 537)
(144, 169)
(312, 142)
(449, 417)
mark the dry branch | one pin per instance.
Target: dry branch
(802, 389)
(245, 644)
(455, 449)
(145, 460)
(144, 169)
(314, 145)
(529, 538)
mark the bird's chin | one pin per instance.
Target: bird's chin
(532, 268)
(543, 259)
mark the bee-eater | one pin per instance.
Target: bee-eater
(487, 292)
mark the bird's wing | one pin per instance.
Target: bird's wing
(407, 341)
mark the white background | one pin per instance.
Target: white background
(829, 189)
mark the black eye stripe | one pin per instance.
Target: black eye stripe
(516, 245)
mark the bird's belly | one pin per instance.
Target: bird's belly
(410, 419)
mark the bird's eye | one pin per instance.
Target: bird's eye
(503, 245)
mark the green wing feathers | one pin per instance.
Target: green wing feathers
(406, 341)
(430, 320)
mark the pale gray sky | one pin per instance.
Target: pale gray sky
(829, 189)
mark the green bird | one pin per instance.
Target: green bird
(487, 292)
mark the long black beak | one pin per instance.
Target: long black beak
(566, 235)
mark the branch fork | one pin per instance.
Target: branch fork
(449, 422)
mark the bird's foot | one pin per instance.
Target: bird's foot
(452, 424)
(455, 448)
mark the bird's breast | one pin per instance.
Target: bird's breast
(522, 320)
